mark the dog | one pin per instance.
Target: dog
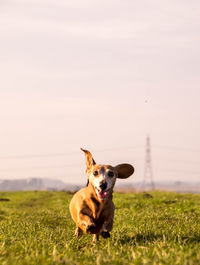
(92, 208)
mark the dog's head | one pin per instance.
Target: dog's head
(103, 177)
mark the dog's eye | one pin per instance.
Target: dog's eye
(110, 174)
(95, 173)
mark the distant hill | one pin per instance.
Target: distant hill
(177, 186)
(55, 184)
(35, 184)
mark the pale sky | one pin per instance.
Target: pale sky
(99, 75)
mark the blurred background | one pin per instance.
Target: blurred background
(101, 75)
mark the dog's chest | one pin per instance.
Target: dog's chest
(97, 208)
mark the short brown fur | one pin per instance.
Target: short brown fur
(92, 214)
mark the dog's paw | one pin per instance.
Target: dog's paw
(90, 229)
(105, 234)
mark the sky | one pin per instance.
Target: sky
(101, 75)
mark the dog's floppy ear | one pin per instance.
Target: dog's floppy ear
(89, 160)
(124, 170)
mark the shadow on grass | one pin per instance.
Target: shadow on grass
(190, 239)
(151, 237)
(4, 199)
(140, 238)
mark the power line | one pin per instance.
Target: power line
(172, 148)
(38, 155)
(177, 160)
(179, 171)
(38, 167)
(29, 156)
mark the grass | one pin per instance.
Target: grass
(160, 228)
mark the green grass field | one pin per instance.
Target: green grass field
(160, 228)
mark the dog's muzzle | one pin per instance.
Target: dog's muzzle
(102, 194)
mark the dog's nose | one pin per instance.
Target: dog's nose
(103, 186)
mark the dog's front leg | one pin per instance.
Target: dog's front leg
(95, 238)
(78, 232)
(106, 228)
(86, 223)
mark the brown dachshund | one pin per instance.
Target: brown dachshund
(92, 208)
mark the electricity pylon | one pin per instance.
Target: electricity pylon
(148, 171)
